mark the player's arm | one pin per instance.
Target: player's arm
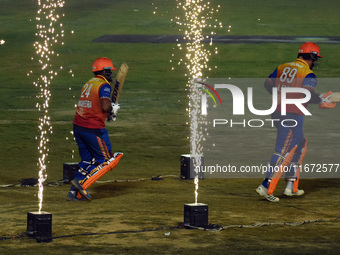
(269, 83)
(322, 100)
(310, 83)
(104, 95)
(106, 104)
(315, 98)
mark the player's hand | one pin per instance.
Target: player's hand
(113, 114)
(325, 102)
(111, 117)
(115, 108)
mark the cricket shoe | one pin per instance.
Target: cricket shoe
(72, 196)
(290, 192)
(75, 183)
(116, 154)
(262, 191)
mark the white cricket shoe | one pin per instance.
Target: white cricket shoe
(290, 192)
(262, 191)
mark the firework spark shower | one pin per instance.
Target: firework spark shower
(197, 19)
(49, 34)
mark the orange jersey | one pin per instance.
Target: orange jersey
(89, 112)
(295, 74)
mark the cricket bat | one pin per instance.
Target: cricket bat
(335, 97)
(118, 84)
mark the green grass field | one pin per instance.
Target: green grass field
(152, 132)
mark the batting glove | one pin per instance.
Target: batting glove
(115, 108)
(113, 114)
(111, 117)
(325, 102)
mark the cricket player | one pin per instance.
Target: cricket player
(290, 138)
(94, 145)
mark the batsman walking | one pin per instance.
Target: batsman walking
(94, 106)
(291, 145)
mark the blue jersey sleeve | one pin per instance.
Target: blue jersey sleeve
(310, 81)
(273, 75)
(105, 91)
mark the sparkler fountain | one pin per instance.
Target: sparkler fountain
(49, 33)
(198, 14)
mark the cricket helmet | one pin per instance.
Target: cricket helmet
(101, 64)
(310, 48)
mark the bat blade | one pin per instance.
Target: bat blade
(335, 97)
(119, 82)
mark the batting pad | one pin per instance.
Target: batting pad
(278, 174)
(100, 171)
(303, 154)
